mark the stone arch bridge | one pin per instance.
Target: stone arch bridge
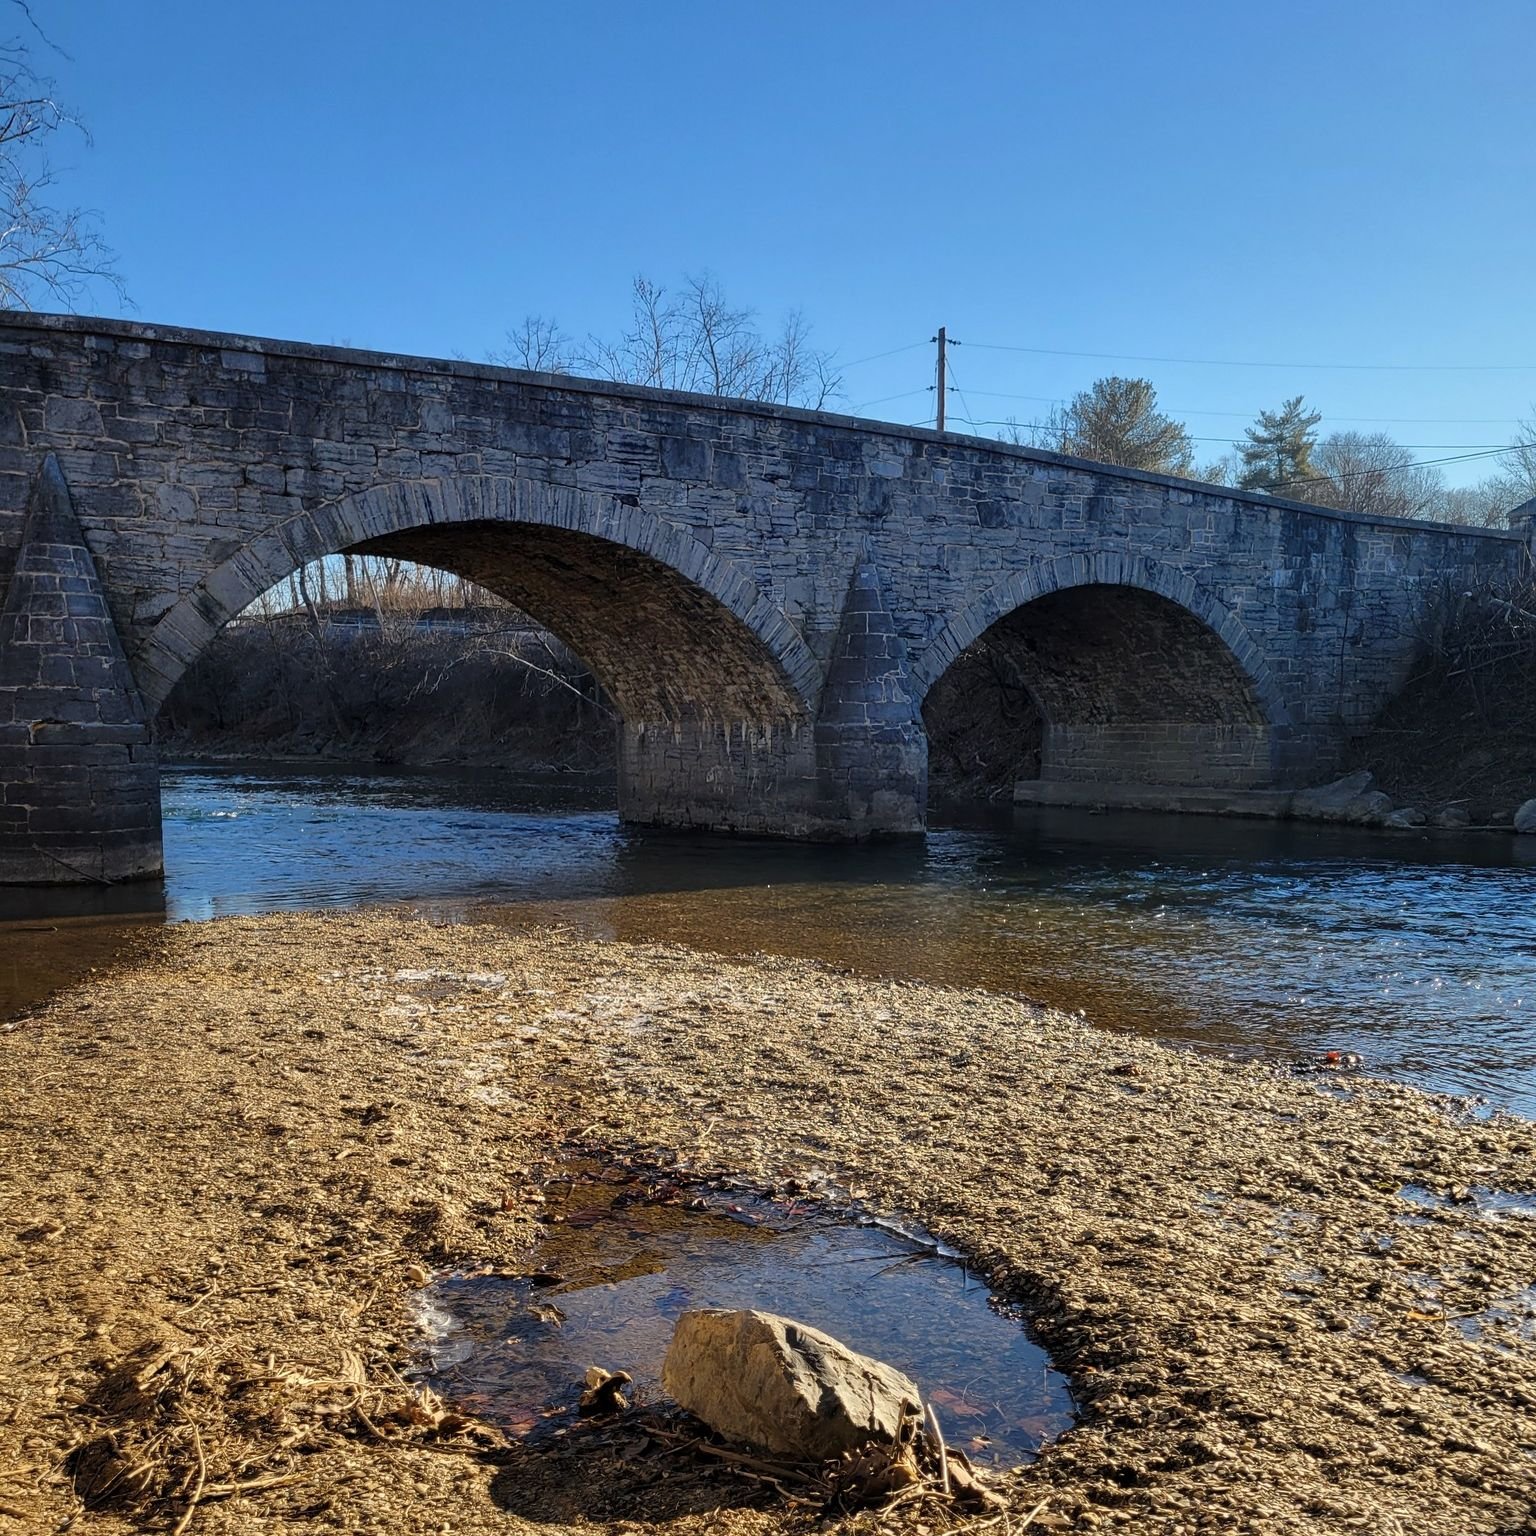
(766, 594)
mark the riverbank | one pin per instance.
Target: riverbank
(223, 1163)
(487, 689)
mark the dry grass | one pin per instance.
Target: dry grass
(224, 1168)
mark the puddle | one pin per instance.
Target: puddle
(1504, 1322)
(625, 1255)
(1490, 1204)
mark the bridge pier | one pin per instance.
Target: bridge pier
(79, 781)
(860, 771)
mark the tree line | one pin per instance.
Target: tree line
(692, 338)
(1118, 421)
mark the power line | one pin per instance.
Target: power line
(1228, 362)
(1354, 474)
(886, 399)
(1482, 449)
(963, 401)
(875, 357)
(1174, 410)
(1467, 452)
(1280, 485)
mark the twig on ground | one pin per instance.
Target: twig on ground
(939, 1447)
(196, 1496)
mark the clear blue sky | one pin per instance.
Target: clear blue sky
(1347, 182)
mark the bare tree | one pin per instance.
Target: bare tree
(798, 373)
(693, 339)
(537, 344)
(1484, 505)
(1514, 481)
(48, 252)
(1368, 472)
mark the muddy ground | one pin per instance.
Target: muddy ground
(225, 1166)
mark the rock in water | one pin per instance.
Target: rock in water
(781, 1385)
(1350, 799)
(1525, 818)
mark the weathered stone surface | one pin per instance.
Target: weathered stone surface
(1452, 816)
(781, 1385)
(1404, 816)
(1350, 799)
(1525, 819)
(79, 781)
(711, 559)
(871, 752)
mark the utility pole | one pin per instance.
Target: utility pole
(939, 415)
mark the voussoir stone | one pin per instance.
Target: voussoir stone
(781, 1385)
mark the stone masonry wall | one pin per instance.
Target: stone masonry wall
(1155, 752)
(183, 449)
(79, 781)
(204, 467)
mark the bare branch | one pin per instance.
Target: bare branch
(538, 345)
(694, 340)
(47, 252)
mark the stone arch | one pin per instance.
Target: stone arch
(1139, 675)
(1069, 571)
(672, 630)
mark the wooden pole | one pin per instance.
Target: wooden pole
(939, 415)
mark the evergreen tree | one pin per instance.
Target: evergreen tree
(1279, 448)
(1117, 422)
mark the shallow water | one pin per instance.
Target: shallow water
(620, 1267)
(1417, 951)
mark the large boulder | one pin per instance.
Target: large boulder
(780, 1385)
(1525, 818)
(1350, 799)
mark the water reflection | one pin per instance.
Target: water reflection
(627, 1261)
(1419, 952)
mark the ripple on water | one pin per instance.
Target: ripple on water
(1268, 939)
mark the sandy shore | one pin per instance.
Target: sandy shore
(222, 1164)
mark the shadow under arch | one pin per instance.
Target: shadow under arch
(1140, 677)
(674, 632)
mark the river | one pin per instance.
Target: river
(1416, 950)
